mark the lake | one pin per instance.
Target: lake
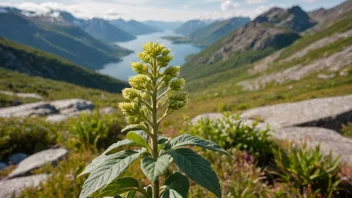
(123, 71)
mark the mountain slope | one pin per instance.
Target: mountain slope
(34, 62)
(189, 27)
(164, 25)
(133, 27)
(80, 48)
(273, 30)
(102, 29)
(217, 30)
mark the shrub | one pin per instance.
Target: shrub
(26, 135)
(308, 169)
(156, 92)
(231, 131)
(347, 130)
(95, 131)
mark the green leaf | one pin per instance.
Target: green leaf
(137, 138)
(177, 186)
(185, 140)
(149, 190)
(196, 168)
(162, 140)
(94, 164)
(117, 145)
(153, 168)
(112, 166)
(131, 194)
(119, 186)
(132, 127)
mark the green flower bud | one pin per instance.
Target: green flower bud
(133, 119)
(177, 84)
(129, 108)
(172, 71)
(177, 100)
(131, 94)
(145, 57)
(139, 67)
(139, 82)
(163, 61)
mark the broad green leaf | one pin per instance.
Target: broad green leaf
(153, 168)
(131, 194)
(149, 190)
(196, 168)
(112, 167)
(117, 145)
(184, 140)
(162, 140)
(132, 127)
(137, 138)
(94, 164)
(177, 186)
(119, 186)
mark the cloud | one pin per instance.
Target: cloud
(309, 1)
(229, 5)
(256, 1)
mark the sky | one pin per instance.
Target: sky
(165, 10)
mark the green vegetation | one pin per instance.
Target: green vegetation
(177, 39)
(26, 136)
(51, 89)
(157, 153)
(309, 170)
(95, 131)
(233, 132)
(38, 63)
(347, 130)
(73, 45)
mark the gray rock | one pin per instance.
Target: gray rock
(324, 76)
(327, 138)
(25, 110)
(57, 118)
(2, 165)
(323, 112)
(17, 158)
(107, 110)
(38, 160)
(72, 105)
(17, 185)
(65, 107)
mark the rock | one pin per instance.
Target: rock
(68, 107)
(327, 138)
(16, 103)
(72, 105)
(36, 109)
(2, 165)
(323, 112)
(17, 185)
(38, 160)
(57, 118)
(324, 76)
(107, 110)
(17, 158)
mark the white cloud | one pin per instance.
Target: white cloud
(229, 5)
(256, 1)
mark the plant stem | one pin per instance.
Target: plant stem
(155, 126)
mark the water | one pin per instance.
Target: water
(123, 71)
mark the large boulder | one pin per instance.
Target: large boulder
(11, 187)
(69, 107)
(211, 116)
(38, 160)
(323, 112)
(328, 140)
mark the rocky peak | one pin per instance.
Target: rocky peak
(295, 19)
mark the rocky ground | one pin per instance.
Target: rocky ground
(317, 121)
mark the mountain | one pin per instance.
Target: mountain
(189, 27)
(164, 25)
(53, 34)
(217, 30)
(17, 57)
(104, 30)
(270, 31)
(133, 27)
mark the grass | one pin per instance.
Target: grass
(51, 89)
